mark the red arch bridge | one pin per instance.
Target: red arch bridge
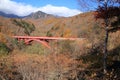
(42, 40)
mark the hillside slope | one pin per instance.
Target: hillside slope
(66, 60)
(82, 26)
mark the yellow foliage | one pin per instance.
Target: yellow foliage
(67, 33)
(49, 21)
(114, 40)
(2, 38)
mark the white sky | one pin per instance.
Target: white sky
(22, 9)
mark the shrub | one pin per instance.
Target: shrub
(74, 48)
(20, 45)
(37, 48)
(49, 34)
(66, 47)
(28, 28)
(4, 49)
(49, 67)
(7, 70)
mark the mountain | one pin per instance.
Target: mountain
(83, 25)
(34, 15)
(38, 14)
(68, 52)
(9, 15)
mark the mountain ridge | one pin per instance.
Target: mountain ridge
(39, 14)
(34, 15)
(9, 15)
(81, 26)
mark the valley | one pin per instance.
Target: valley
(66, 60)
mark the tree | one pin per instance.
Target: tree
(106, 10)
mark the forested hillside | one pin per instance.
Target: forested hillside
(66, 60)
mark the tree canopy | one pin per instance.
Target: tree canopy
(109, 11)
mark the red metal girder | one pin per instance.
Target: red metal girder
(27, 41)
(43, 42)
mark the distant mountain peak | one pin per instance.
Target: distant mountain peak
(9, 15)
(38, 14)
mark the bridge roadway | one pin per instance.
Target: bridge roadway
(43, 40)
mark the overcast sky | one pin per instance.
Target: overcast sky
(64, 8)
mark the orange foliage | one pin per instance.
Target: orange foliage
(49, 66)
(110, 12)
(2, 38)
(67, 33)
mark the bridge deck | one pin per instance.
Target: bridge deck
(48, 38)
(42, 40)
